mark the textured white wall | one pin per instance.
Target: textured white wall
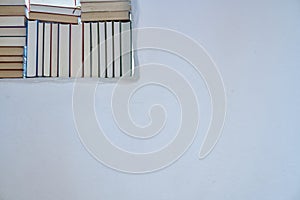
(256, 46)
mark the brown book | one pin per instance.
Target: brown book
(7, 59)
(10, 10)
(7, 66)
(105, 16)
(11, 73)
(53, 17)
(105, 6)
(11, 51)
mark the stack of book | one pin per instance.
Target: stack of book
(65, 13)
(105, 10)
(12, 38)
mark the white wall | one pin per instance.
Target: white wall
(256, 46)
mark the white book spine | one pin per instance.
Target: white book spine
(64, 53)
(117, 47)
(102, 51)
(94, 49)
(109, 50)
(76, 51)
(126, 55)
(31, 49)
(54, 50)
(87, 49)
(47, 48)
(40, 52)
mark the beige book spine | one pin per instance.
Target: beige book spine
(105, 16)
(11, 66)
(11, 73)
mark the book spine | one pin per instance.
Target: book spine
(40, 49)
(76, 54)
(109, 50)
(102, 50)
(94, 50)
(70, 50)
(86, 49)
(64, 51)
(54, 50)
(117, 47)
(126, 49)
(25, 52)
(31, 49)
(47, 50)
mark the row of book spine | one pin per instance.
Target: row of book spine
(91, 49)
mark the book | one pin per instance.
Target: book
(64, 51)
(40, 49)
(94, 50)
(105, 16)
(102, 50)
(32, 49)
(15, 21)
(126, 47)
(54, 50)
(105, 6)
(109, 50)
(13, 31)
(12, 41)
(8, 51)
(13, 2)
(17, 65)
(68, 19)
(11, 73)
(87, 50)
(76, 54)
(73, 11)
(12, 10)
(46, 50)
(117, 48)
(57, 3)
(11, 58)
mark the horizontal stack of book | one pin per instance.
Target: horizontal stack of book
(105, 10)
(12, 38)
(53, 13)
